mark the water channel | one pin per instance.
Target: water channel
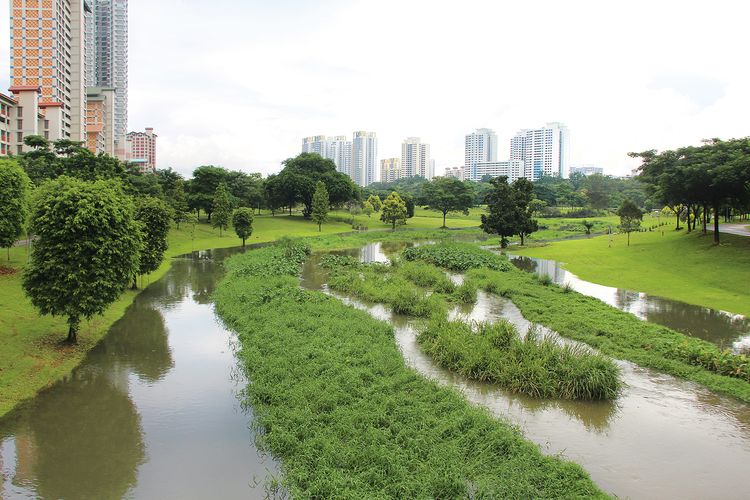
(662, 438)
(724, 329)
(152, 412)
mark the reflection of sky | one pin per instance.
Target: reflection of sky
(192, 419)
(719, 327)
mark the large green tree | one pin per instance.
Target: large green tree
(154, 216)
(242, 220)
(447, 194)
(393, 210)
(222, 208)
(178, 202)
(202, 188)
(375, 202)
(87, 249)
(300, 175)
(510, 210)
(14, 202)
(320, 205)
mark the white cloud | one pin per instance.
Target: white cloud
(240, 83)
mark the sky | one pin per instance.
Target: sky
(240, 83)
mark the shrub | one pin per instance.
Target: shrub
(457, 257)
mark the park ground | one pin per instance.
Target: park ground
(668, 263)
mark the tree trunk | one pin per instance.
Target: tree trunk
(135, 282)
(705, 219)
(394, 224)
(628, 238)
(522, 239)
(243, 242)
(716, 224)
(689, 207)
(678, 219)
(319, 228)
(290, 210)
(73, 323)
(8, 254)
(444, 213)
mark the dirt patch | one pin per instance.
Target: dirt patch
(7, 271)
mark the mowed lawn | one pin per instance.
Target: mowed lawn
(33, 356)
(677, 265)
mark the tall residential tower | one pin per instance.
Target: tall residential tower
(544, 151)
(364, 157)
(480, 146)
(110, 32)
(415, 158)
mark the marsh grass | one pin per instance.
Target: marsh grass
(333, 400)
(457, 257)
(535, 366)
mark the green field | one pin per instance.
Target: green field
(672, 264)
(33, 356)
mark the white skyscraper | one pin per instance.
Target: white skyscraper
(481, 146)
(544, 151)
(364, 157)
(111, 61)
(338, 149)
(415, 158)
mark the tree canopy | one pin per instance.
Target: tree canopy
(510, 209)
(393, 210)
(447, 194)
(154, 216)
(242, 221)
(87, 249)
(320, 204)
(222, 208)
(14, 202)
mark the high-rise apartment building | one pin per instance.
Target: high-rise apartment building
(48, 67)
(7, 108)
(455, 172)
(544, 151)
(338, 149)
(100, 110)
(480, 146)
(586, 170)
(512, 169)
(141, 149)
(110, 34)
(364, 157)
(390, 169)
(415, 158)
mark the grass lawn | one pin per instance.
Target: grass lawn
(33, 356)
(677, 265)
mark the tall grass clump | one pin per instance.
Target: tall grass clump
(427, 276)
(335, 404)
(457, 257)
(535, 366)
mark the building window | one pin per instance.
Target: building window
(20, 111)
(20, 124)
(20, 149)
(46, 134)
(19, 137)
(46, 123)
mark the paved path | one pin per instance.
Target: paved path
(740, 229)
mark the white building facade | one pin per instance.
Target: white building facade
(480, 146)
(543, 151)
(390, 169)
(512, 169)
(415, 158)
(364, 157)
(338, 149)
(455, 172)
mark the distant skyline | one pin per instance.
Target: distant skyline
(239, 84)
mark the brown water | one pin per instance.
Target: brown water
(722, 328)
(662, 438)
(152, 412)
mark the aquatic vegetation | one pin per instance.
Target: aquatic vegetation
(538, 367)
(457, 257)
(333, 400)
(425, 275)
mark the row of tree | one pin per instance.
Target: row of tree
(696, 182)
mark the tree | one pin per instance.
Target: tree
(87, 249)
(192, 221)
(367, 208)
(14, 202)
(178, 202)
(447, 194)
(242, 220)
(587, 226)
(222, 208)
(524, 208)
(598, 190)
(393, 210)
(320, 204)
(376, 202)
(202, 188)
(300, 176)
(501, 218)
(154, 216)
(630, 217)
(510, 210)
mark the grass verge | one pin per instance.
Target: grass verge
(333, 399)
(676, 265)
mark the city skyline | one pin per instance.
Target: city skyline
(619, 93)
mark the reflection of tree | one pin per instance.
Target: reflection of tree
(87, 439)
(139, 340)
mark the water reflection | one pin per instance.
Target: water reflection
(152, 412)
(721, 328)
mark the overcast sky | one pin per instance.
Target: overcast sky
(239, 83)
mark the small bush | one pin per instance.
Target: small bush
(457, 257)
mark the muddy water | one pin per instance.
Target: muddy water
(662, 438)
(153, 412)
(722, 328)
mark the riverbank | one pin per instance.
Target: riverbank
(33, 354)
(675, 265)
(335, 402)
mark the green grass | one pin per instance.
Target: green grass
(677, 265)
(538, 367)
(423, 221)
(619, 334)
(333, 400)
